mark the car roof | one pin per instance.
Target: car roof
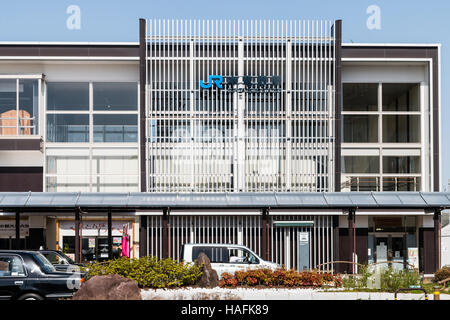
(17, 251)
(216, 245)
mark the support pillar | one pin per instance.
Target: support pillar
(338, 105)
(165, 234)
(336, 254)
(77, 236)
(351, 236)
(17, 244)
(437, 239)
(110, 242)
(142, 103)
(265, 235)
(143, 234)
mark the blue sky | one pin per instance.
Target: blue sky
(117, 20)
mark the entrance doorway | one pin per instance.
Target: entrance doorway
(391, 249)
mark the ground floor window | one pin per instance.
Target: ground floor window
(93, 248)
(94, 239)
(9, 243)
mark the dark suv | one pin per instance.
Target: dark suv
(28, 275)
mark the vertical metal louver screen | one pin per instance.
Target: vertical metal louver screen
(285, 241)
(269, 128)
(246, 230)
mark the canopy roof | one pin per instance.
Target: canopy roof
(25, 201)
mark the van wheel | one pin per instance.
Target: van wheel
(30, 296)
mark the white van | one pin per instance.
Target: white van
(226, 257)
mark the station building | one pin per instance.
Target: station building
(272, 134)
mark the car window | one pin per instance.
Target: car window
(11, 266)
(53, 257)
(70, 261)
(42, 261)
(215, 254)
(238, 255)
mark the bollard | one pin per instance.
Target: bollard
(436, 294)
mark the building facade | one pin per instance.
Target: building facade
(226, 107)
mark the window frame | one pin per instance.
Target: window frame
(40, 110)
(23, 265)
(386, 148)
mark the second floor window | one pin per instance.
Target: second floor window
(99, 112)
(19, 107)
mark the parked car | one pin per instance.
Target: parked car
(28, 275)
(60, 261)
(226, 257)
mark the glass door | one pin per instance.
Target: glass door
(102, 249)
(390, 249)
(396, 252)
(381, 249)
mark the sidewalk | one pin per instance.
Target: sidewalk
(273, 294)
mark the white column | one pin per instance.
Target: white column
(192, 106)
(240, 156)
(288, 143)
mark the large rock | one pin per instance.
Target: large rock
(110, 287)
(209, 277)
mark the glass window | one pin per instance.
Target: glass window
(241, 256)
(11, 266)
(67, 96)
(68, 165)
(360, 164)
(68, 128)
(401, 97)
(361, 184)
(42, 261)
(215, 254)
(53, 258)
(115, 128)
(401, 184)
(401, 164)
(125, 165)
(115, 183)
(401, 128)
(360, 97)
(28, 107)
(68, 184)
(360, 128)
(115, 96)
(8, 107)
(387, 224)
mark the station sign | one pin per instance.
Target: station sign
(249, 84)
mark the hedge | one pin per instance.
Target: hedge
(148, 272)
(279, 278)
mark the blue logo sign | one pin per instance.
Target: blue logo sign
(249, 84)
(212, 78)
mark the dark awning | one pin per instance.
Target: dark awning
(53, 201)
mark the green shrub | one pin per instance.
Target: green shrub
(392, 279)
(359, 281)
(279, 278)
(389, 279)
(149, 272)
(442, 274)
